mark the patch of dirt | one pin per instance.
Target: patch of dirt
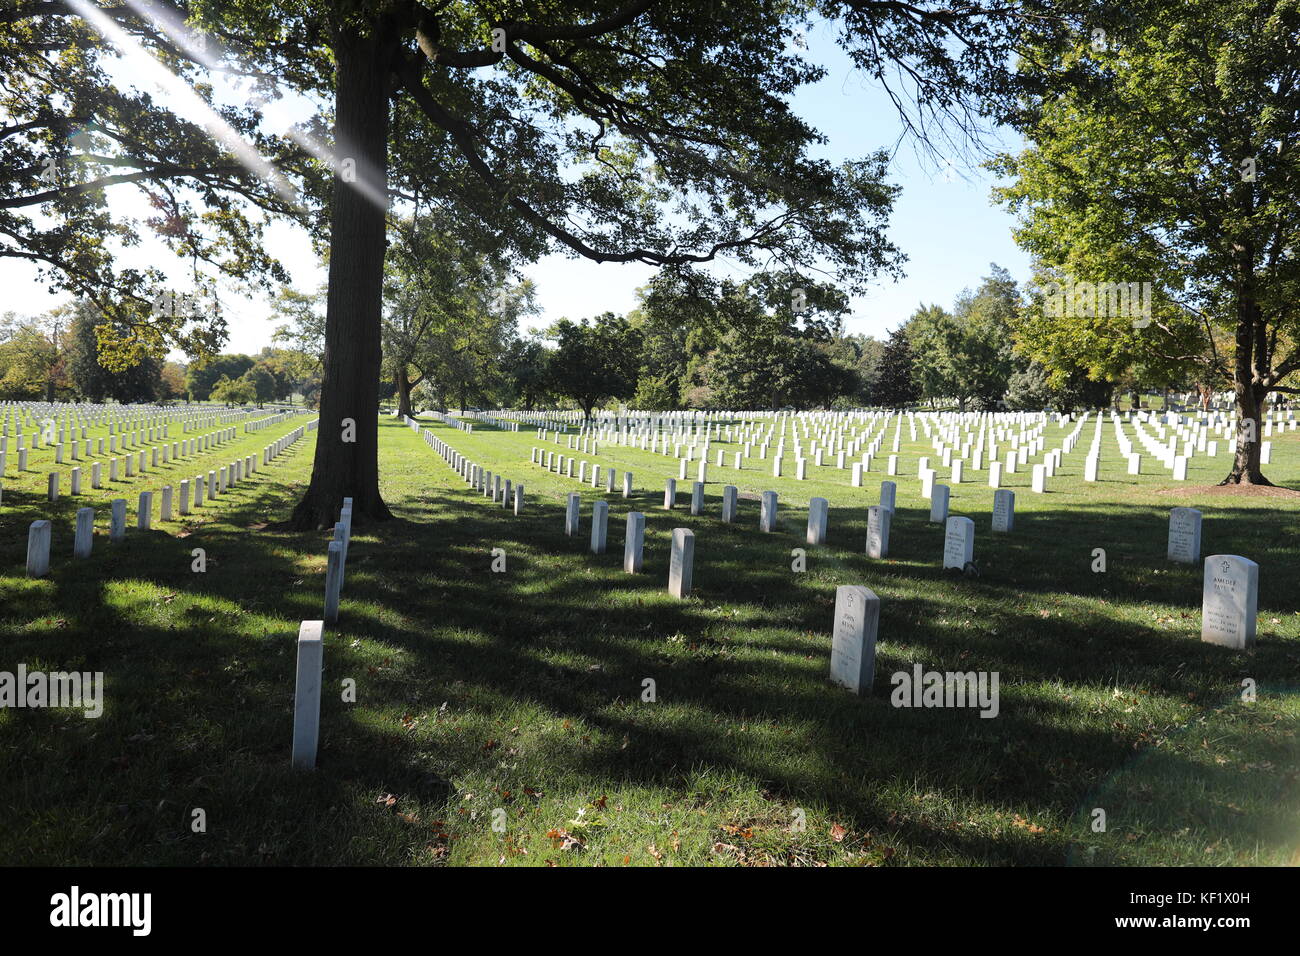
(1245, 491)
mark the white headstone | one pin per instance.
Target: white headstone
(939, 495)
(571, 520)
(878, 521)
(634, 542)
(333, 581)
(117, 520)
(853, 641)
(1184, 535)
(818, 510)
(958, 543)
(307, 693)
(888, 492)
(1229, 601)
(730, 498)
(84, 538)
(599, 526)
(38, 549)
(681, 562)
(1004, 510)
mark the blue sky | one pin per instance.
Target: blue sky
(944, 223)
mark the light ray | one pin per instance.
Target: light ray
(199, 50)
(192, 106)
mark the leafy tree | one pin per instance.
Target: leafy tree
(202, 376)
(594, 360)
(34, 355)
(967, 354)
(91, 379)
(655, 393)
(451, 311)
(676, 315)
(527, 373)
(171, 382)
(896, 386)
(230, 391)
(1202, 199)
(265, 384)
(861, 356)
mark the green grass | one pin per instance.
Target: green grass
(517, 697)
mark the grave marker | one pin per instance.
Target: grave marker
(84, 537)
(818, 511)
(1184, 544)
(634, 542)
(939, 496)
(599, 526)
(681, 563)
(1229, 601)
(38, 549)
(878, 520)
(1004, 510)
(958, 543)
(307, 693)
(853, 640)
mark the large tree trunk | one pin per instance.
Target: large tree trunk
(403, 394)
(1251, 352)
(1245, 465)
(350, 468)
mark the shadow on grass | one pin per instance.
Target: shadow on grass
(200, 698)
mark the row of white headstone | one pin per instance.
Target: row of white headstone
(168, 451)
(477, 477)
(40, 533)
(559, 463)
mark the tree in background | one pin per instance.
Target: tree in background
(171, 382)
(676, 313)
(595, 360)
(527, 373)
(860, 355)
(33, 359)
(301, 338)
(896, 387)
(450, 311)
(202, 376)
(265, 384)
(295, 371)
(238, 391)
(967, 354)
(91, 380)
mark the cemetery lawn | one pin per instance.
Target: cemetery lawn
(516, 697)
